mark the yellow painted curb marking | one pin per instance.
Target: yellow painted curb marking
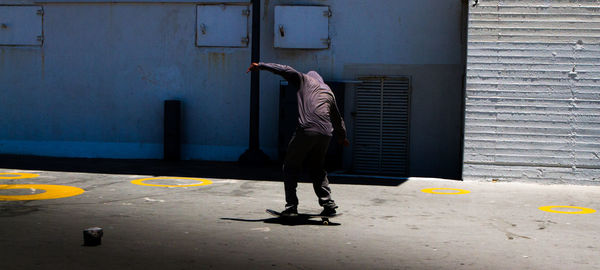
(141, 182)
(433, 191)
(20, 175)
(52, 192)
(551, 209)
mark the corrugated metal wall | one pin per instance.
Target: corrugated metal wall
(533, 91)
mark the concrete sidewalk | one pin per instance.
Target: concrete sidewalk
(224, 225)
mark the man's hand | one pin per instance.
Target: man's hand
(345, 142)
(253, 67)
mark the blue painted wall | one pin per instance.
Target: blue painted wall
(97, 85)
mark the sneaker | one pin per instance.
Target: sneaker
(328, 212)
(290, 212)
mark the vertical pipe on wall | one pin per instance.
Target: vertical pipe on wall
(255, 78)
(254, 155)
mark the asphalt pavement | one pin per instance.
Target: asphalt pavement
(198, 215)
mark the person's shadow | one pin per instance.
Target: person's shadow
(288, 221)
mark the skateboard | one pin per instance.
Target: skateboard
(303, 216)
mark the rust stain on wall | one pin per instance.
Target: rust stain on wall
(216, 60)
(266, 9)
(147, 76)
(43, 61)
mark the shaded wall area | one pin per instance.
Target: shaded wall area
(390, 38)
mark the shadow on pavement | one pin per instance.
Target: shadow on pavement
(286, 222)
(186, 168)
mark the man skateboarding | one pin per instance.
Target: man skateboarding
(318, 119)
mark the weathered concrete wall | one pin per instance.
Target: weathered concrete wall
(96, 86)
(533, 91)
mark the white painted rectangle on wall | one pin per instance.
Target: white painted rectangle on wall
(222, 25)
(21, 25)
(302, 27)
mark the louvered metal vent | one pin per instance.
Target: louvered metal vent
(381, 129)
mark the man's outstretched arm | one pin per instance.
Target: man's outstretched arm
(287, 72)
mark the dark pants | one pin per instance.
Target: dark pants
(307, 148)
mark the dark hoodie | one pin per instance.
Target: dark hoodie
(317, 109)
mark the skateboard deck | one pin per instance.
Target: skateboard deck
(324, 219)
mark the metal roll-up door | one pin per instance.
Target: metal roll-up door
(532, 105)
(381, 133)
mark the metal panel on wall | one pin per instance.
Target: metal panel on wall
(381, 131)
(222, 25)
(301, 27)
(21, 25)
(533, 91)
